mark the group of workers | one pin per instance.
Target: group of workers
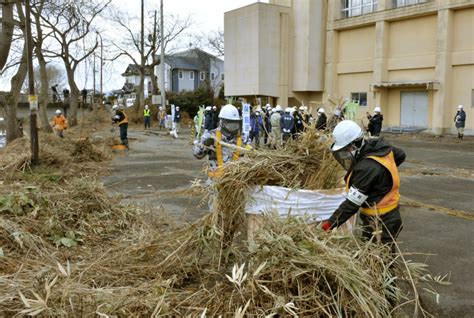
(372, 178)
(276, 126)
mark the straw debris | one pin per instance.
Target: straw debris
(71, 250)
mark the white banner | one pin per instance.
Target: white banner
(245, 121)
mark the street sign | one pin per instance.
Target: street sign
(33, 100)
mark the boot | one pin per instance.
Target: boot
(462, 136)
(459, 136)
(125, 143)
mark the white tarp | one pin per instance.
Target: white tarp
(317, 205)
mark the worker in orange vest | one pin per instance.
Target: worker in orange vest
(121, 119)
(372, 183)
(59, 123)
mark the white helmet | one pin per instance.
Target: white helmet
(288, 110)
(115, 107)
(229, 112)
(303, 108)
(160, 108)
(208, 108)
(177, 107)
(214, 107)
(345, 133)
(58, 112)
(321, 110)
(278, 108)
(146, 107)
(268, 106)
(460, 107)
(377, 109)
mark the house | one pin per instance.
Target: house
(132, 80)
(191, 69)
(413, 58)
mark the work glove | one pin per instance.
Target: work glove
(326, 226)
(209, 142)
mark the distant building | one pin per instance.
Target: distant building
(191, 69)
(414, 58)
(132, 80)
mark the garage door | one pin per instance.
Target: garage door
(414, 109)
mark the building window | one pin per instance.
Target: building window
(222, 77)
(202, 76)
(212, 76)
(360, 97)
(180, 74)
(402, 3)
(191, 75)
(353, 8)
(472, 98)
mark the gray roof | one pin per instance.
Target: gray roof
(181, 62)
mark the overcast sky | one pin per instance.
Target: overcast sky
(207, 16)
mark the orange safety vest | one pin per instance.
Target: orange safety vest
(392, 198)
(219, 171)
(59, 122)
(124, 120)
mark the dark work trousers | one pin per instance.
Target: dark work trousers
(255, 135)
(147, 120)
(123, 134)
(390, 224)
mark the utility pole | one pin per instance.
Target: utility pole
(32, 98)
(101, 70)
(162, 58)
(142, 48)
(93, 84)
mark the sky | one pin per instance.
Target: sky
(207, 16)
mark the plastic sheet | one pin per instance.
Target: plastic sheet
(315, 204)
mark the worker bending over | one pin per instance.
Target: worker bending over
(59, 123)
(372, 182)
(121, 119)
(211, 142)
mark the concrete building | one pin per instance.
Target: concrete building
(414, 58)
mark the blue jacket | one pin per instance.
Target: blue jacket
(287, 123)
(255, 123)
(460, 119)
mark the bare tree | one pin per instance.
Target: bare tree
(71, 23)
(129, 44)
(6, 32)
(10, 101)
(43, 84)
(215, 42)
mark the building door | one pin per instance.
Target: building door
(414, 109)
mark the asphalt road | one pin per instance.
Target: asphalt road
(439, 172)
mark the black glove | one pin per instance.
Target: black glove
(208, 142)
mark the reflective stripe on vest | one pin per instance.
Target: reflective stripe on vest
(124, 120)
(220, 158)
(146, 113)
(392, 198)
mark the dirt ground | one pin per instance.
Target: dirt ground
(437, 194)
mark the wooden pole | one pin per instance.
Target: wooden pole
(33, 99)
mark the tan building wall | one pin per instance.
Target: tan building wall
(416, 62)
(394, 52)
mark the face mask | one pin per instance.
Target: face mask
(345, 158)
(230, 128)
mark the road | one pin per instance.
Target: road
(158, 170)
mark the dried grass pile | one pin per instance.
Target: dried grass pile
(138, 265)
